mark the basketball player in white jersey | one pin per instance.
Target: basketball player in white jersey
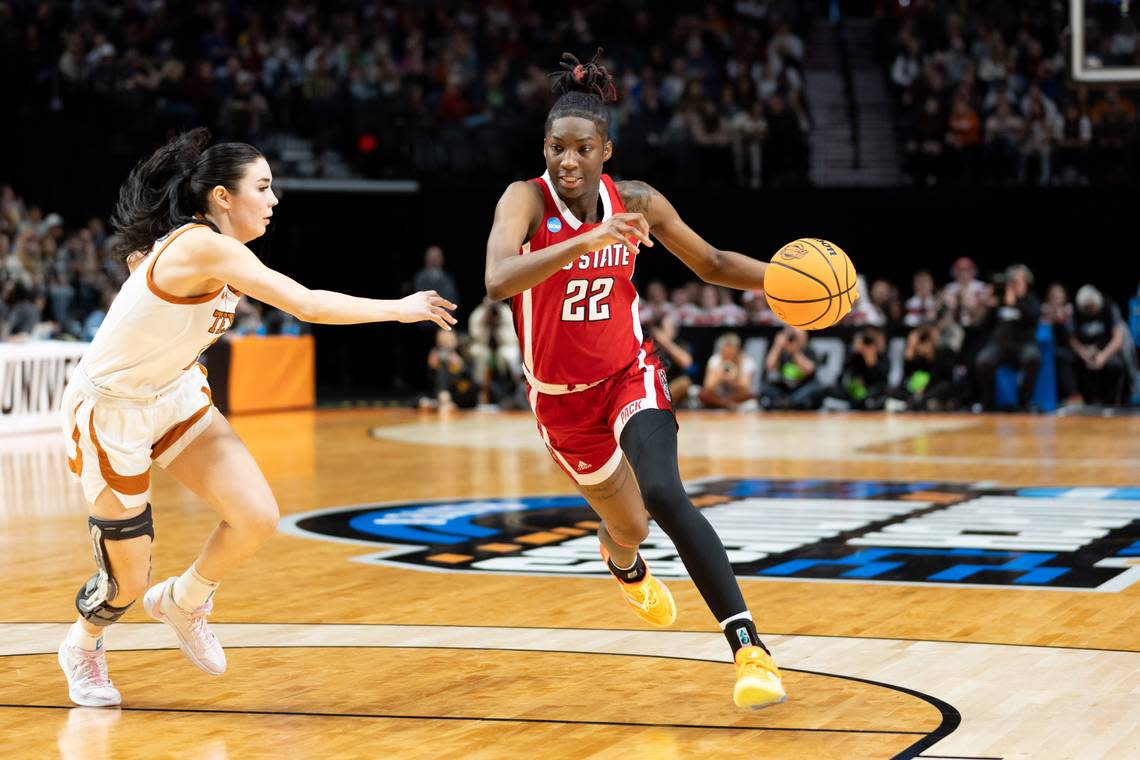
(139, 395)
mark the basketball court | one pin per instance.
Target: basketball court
(933, 586)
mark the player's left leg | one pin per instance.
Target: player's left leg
(649, 441)
(217, 467)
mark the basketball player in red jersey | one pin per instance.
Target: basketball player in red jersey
(563, 248)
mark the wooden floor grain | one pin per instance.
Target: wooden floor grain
(312, 692)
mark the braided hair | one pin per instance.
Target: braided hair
(583, 89)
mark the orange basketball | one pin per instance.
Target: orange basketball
(810, 284)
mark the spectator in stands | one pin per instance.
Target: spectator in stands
(922, 306)
(730, 376)
(434, 277)
(453, 386)
(758, 309)
(928, 373)
(679, 354)
(865, 311)
(885, 298)
(656, 304)
(1057, 312)
(863, 384)
(25, 315)
(719, 308)
(749, 129)
(1004, 133)
(1073, 136)
(1037, 149)
(790, 369)
(1012, 336)
(926, 147)
(965, 296)
(907, 66)
(1114, 123)
(1097, 340)
(786, 152)
(494, 352)
(685, 310)
(963, 139)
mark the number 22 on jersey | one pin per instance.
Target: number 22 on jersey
(595, 309)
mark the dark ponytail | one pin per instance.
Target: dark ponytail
(169, 189)
(584, 90)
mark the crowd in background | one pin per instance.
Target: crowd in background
(956, 340)
(710, 91)
(57, 281)
(982, 95)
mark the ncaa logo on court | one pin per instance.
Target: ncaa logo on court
(1084, 539)
(554, 224)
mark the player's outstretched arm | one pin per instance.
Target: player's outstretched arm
(227, 260)
(728, 268)
(517, 215)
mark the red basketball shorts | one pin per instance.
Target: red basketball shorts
(582, 429)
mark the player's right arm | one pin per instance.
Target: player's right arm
(222, 258)
(517, 216)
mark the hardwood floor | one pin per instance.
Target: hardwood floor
(352, 635)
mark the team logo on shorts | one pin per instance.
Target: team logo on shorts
(1085, 539)
(554, 224)
(664, 384)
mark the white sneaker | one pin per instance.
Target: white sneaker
(195, 638)
(88, 682)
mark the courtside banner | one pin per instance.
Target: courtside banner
(32, 379)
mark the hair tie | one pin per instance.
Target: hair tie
(579, 73)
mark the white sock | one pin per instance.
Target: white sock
(191, 590)
(78, 636)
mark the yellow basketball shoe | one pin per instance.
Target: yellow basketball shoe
(758, 683)
(649, 597)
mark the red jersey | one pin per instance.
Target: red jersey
(580, 325)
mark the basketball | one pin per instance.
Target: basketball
(810, 284)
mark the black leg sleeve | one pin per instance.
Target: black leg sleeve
(650, 444)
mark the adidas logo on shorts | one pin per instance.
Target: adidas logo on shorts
(583, 466)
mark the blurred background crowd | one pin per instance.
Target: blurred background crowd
(715, 95)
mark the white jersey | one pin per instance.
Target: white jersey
(149, 337)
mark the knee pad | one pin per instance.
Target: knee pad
(91, 601)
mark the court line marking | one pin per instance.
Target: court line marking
(384, 716)
(950, 717)
(410, 432)
(646, 630)
(1017, 676)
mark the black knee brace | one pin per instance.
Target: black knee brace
(91, 601)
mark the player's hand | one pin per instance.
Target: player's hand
(622, 229)
(424, 306)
